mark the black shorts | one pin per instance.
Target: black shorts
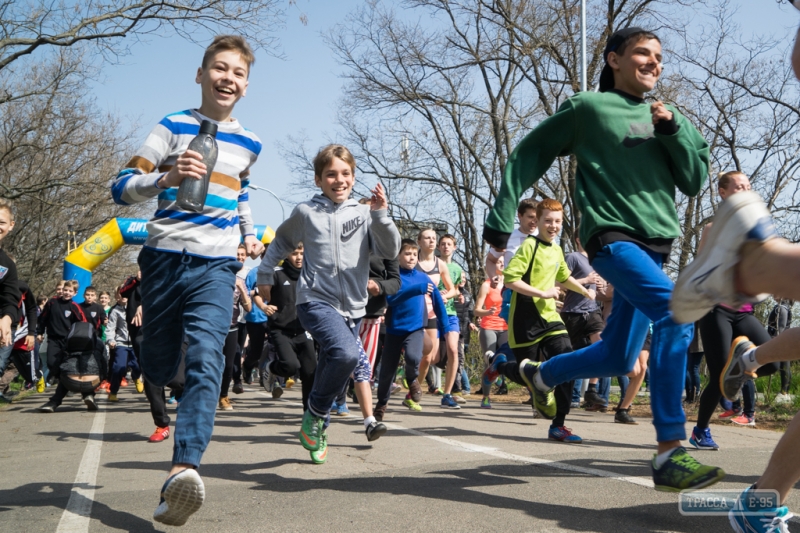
(646, 346)
(581, 326)
(431, 324)
(543, 350)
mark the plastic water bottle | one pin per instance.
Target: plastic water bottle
(192, 192)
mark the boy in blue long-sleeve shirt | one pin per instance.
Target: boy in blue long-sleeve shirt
(405, 319)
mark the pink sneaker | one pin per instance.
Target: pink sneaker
(729, 413)
(744, 420)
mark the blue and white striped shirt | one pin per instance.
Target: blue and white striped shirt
(217, 231)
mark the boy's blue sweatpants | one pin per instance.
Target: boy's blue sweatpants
(642, 293)
(123, 358)
(339, 350)
(189, 297)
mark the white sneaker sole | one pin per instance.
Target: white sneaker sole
(708, 280)
(182, 498)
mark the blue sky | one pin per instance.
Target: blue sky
(286, 96)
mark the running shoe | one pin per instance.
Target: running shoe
(543, 402)
(563, 434)
(181, 497)
(491, 373)
(91, 403)
(289, 383)
(379, 412)
(449, 403)
(159, 435)
(411, 404)
(623, 416)
(311, 431)
(171, 400)
(502, 389)
(238, 388)
(459, 398)
(709, 279)
(753, 519)
(123, 382)
(591, 397)
(113, 398)
(396, 389)
(701, 439)
(486, 403)
(139, 385)
(681, 471)
(744, 420)
(277, 390)
(439, 392)
(375, 430)
(225, 404)
(415, 391)
(733, 373)
(730, 413)
(40, 385)
(268, 379)
(574, 405)
(320, 455)
(342, 410)
(49, 407)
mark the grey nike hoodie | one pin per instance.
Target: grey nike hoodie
(337, 240)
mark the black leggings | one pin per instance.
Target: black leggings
(544, 350)
(718, 329)
(229, 351)
(258, 333)
(294, 353)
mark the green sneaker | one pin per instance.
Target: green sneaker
(544, 402)
(684, 472)
(310, 432)
(320, 455)
(411, 404)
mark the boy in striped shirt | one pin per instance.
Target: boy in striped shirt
(188, 262)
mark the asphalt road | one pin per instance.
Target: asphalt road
(471, 470)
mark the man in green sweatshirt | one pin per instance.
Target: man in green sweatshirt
(631, 155)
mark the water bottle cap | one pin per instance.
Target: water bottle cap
(208, 128)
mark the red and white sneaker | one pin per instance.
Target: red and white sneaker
(729, 414)
(159, 435)
(744, 420)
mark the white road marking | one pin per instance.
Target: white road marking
(77, 514)
(499, 454)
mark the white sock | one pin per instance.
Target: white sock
(749, 360)
(662, 458)
(538, 382)
(369, 420)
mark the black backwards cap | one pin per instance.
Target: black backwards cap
(614, 42)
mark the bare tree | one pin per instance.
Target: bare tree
(26, 27)
(57, 153)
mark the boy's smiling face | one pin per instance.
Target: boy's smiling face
(223, 81)
(550, 225)
(638, 68)
(336, 181)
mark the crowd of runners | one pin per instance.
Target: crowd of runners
(342, 306)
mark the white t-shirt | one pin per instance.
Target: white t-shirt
(514, 242)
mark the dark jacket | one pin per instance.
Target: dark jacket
(131, 290)
(284, 296)
(9, 289)
(58, 316)
(94, 313)
(386, 273)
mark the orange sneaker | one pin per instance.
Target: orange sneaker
(160, 434)
(105, 386)
(123, 383)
